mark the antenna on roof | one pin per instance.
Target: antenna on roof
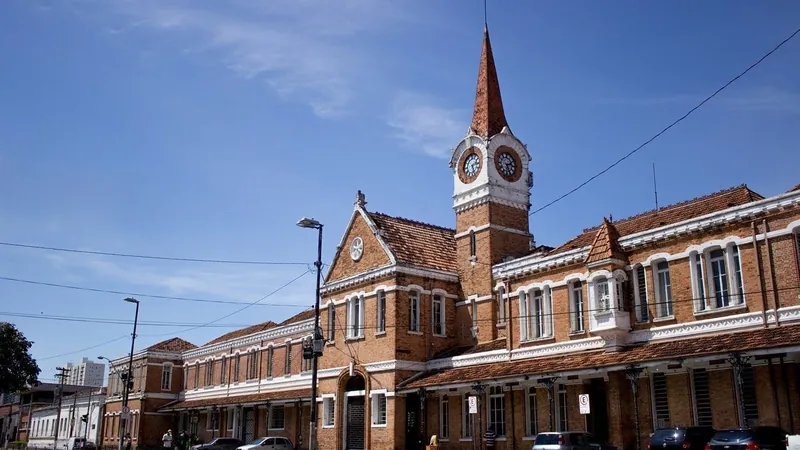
(485, 17)
(655, 186)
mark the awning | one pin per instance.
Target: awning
(264, 397)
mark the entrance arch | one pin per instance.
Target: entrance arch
(355, 412)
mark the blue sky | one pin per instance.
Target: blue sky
(206, 129)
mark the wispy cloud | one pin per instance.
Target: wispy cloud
(421, 123)
(759, 99)
(305, 50)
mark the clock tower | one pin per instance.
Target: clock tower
(491, 195)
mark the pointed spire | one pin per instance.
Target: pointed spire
(488, 117)
(606, 245)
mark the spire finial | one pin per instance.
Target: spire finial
(488, 117)
(361, 199)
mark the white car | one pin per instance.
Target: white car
(268, 443)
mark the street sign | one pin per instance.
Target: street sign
(583, 402)
(126, 409)
(125, 415)
(473, 404)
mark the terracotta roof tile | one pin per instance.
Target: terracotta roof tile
(663, 351)
(497, 344)
(418, 244)
(488, 117)
(174, 345)
(305, 315)
(796, 188)
(238, 399)
(606, 244)
(667, 215)
(253, 329)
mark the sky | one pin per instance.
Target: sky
(205, 129)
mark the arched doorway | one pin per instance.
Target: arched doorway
(355, 413)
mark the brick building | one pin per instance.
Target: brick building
(684, 315)
(157, 380)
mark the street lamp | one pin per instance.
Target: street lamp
(305, 222)
(128, 378)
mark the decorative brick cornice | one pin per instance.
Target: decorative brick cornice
(385, 271)
(272, 333)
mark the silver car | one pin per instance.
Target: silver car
(565, 440)
(268, 443)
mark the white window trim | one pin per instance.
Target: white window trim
(502, 309)
(660, 303)
(524, 316)
(414, 297)
(466, 418)
(598, 306)
(438, 298)
(473, 306)
(444, 405)
(581, 309)
(354, 319)
(328, 402)
(380, 310)
(331, 322)
(638, 301)
(374, 396)
(528, 432)
(489, 398)
(269, 419)
(209, 425)
(708, 303)
(230, 419)
(166, 368)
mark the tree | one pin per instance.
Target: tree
(18, 369)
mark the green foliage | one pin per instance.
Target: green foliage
(18, 369)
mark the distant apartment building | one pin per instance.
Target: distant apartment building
(86, 373)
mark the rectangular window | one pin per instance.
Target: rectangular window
(210, 372)
(531, 427)
(563, 409)
(288, 369)
(501, 305)
(331, 322)
(270, 361)
(328, 411)
(523, 317)
(660, 400)
(576, 307)
(438, 315)
(224, 370)
(444, 418)
(381, 320)
(473, 311)
(276, 417)
(252, 364)
(699, 282)
(236, 360)
(749, 400)
(537, 314)
(640, 295)
(166, 377)
(737, 275)
(197, 375)
(355, 317)
(413, 311)
(229, 419)
(185, 378)
(719, 278)
(378, 409)
(497, 410)
(702, 398)
(664, 308)
(466, 418)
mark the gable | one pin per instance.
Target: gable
(375, 252)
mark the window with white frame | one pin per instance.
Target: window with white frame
(229, 419)
(331, 322)
(210, 425)
(355, 317)
(531, 426)
(277, 417)
(444, 418)
(501, 305)
(717, 278)
(166, 377)
(270, 361)
(236, 360)
(466, 418)
(378, 409)
(413, 311)
(252, 364)
(663, 290)
(381, 311)
(473, 247)
(185, 377)
(287, 370)
(328, 411)
(496, 409)
(437, 315)
(602, 295)
(524, 317)
(223, 368)
(563, 408)
(473, 311)
(197, 375)
(576, 307)
(640, 294)
(209, 372)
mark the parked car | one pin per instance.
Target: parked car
(756, 438)
(681, 438)
(567, 440)
(268, 443)
(220, 443)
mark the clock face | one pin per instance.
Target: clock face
(472, 165)
(356, 248)
(506, 165)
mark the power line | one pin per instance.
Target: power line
(161, 258)
(112, 321)
(657, 135)
(134, 294)
(84, 349)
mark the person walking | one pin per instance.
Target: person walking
(167, 439)
(128, 442)
(489, 437)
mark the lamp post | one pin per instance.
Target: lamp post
(126, 388)
(317, 344)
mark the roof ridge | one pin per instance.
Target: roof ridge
(412, 221)
(679, 204)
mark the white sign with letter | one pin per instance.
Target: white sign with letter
(583, 402)
(473, 404)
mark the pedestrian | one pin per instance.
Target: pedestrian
(167, 439)
(128, 442)
(489, 437)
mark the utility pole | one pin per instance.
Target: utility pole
(73, 414)
(125, 416)
(61, 375)
(88, 417)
